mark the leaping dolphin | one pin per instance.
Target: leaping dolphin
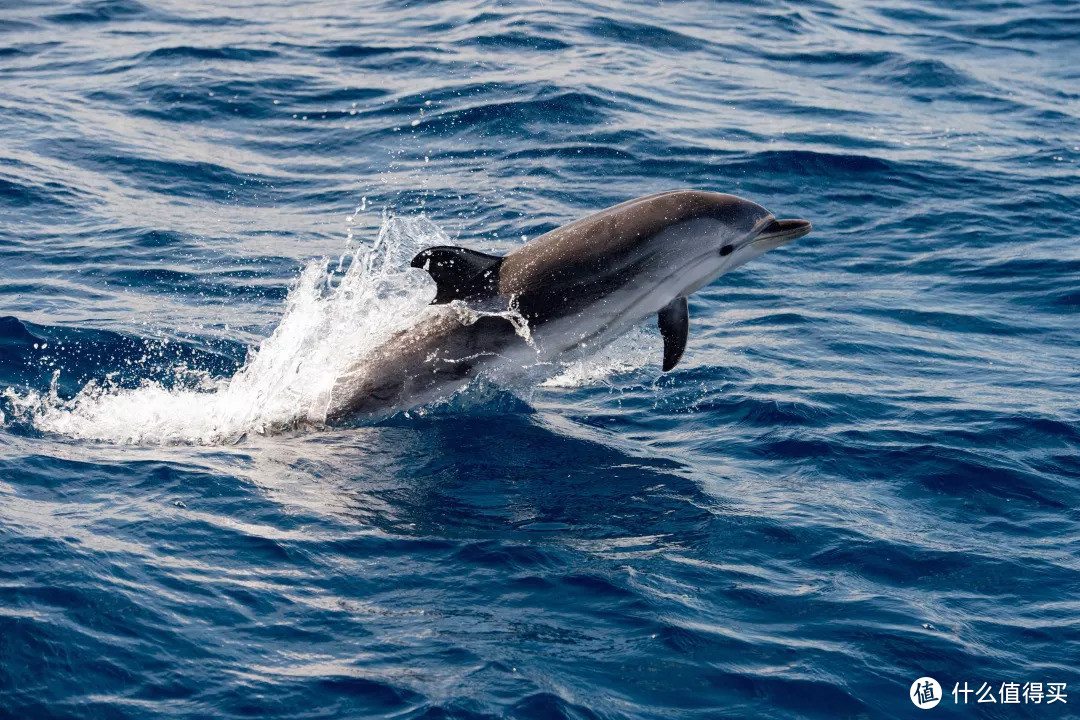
(561, 296)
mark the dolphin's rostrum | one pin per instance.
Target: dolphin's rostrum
(562, 296)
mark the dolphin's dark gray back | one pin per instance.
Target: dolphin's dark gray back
(610, 241)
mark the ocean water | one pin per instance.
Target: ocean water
(865, 470)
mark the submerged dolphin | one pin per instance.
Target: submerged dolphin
(561, 296)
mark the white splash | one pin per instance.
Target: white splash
(326, 329)
(633, 351)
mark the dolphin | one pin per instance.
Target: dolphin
(561, 296)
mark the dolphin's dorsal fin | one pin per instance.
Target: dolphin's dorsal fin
(460, 273)
(674, 322)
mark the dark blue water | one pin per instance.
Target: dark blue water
(865, 470)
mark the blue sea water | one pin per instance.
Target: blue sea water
(865, 470)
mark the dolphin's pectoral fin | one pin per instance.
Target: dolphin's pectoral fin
(460, 273)
(674, 322)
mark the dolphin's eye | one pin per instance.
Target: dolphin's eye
(726, 250)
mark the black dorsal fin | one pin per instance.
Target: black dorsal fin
(460, 273)
(674, 322)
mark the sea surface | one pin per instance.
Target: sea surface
(865, 470)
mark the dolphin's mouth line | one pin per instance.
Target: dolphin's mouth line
(778, 232)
